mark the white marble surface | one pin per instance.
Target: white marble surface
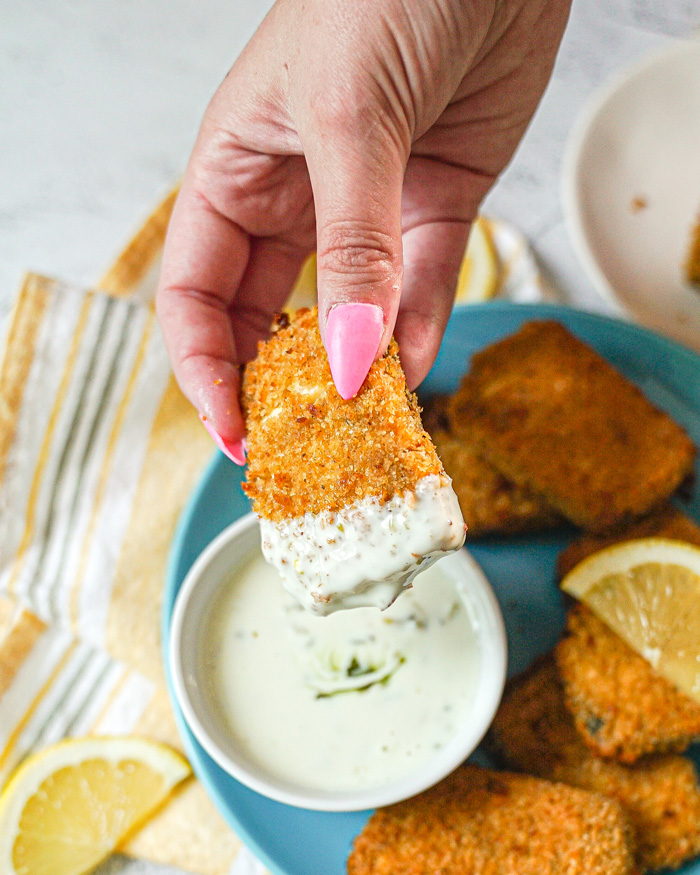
(100, 101)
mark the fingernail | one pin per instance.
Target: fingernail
(353, 334)
(234, 450)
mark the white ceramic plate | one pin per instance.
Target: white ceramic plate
(632, 190)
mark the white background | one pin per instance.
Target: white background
(100, 101)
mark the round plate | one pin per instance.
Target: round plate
(632, 191)
(294, 841)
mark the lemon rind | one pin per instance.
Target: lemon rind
(620, 558)
(484, 267)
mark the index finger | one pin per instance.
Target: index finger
(204, 260)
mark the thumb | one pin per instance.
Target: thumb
(357, 183)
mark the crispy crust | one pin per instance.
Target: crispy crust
(495, 823)
(692, 264)
(491, 504)
(621, 707)
(533, 732)
(311, 451)
(555, 417)
(666, 522)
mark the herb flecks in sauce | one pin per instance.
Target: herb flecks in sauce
(354, 671)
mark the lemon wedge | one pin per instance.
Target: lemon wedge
(648, 591)
(69, 806)
(479, 274)
(303, 292)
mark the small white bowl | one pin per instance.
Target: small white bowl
(231, 551)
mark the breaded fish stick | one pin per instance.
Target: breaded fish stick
(553, 416)
(480, 822)
(352, 498)
(491, 504)
(533, 732)
(621, 706)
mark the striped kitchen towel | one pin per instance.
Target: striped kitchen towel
(98, 454)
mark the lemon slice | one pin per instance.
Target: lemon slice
(648, 591)
(68, 807)
(303, 293)
(479, 273)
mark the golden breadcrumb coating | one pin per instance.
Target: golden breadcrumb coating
(666, 522)
(621, 706)
(692, 264)
(481, 822)
(491, 504)
(309, 450)
(533, 732)
(556, 418)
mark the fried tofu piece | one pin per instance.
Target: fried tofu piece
(553, 416)
(491, 504)
(311, 451)
(481, 822)
(533, 732)
(352, 498)
(621, 706)
(666, 522)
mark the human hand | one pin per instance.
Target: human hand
(370, 132)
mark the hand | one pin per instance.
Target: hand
(369, 131)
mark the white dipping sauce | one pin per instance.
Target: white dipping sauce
(367, 553)
(353, 700)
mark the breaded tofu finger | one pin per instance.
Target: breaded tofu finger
(352, 498)
(533, 732)
(555, 417)
(491, 504)
(481, 822)
(621, 706)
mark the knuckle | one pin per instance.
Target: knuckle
(357, 114)
(346, 110)
(363, 252)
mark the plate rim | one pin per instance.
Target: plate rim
(171, 585)
(571, 204)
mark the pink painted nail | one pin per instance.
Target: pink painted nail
(235, 450)
(353, 334)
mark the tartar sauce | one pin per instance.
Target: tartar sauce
(368, 553)
(353, 700)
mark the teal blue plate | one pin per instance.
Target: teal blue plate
(294, 841)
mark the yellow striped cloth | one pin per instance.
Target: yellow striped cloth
(98, 453)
